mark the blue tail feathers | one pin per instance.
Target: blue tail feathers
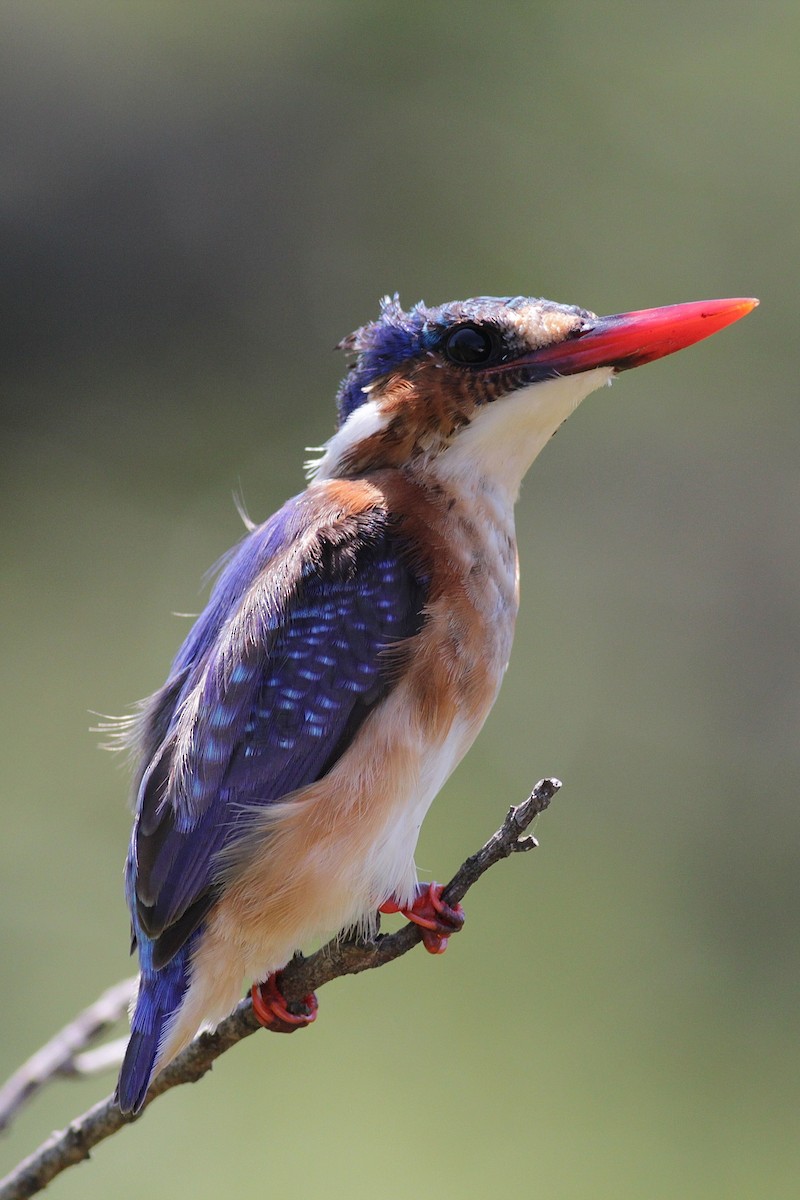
(137, 1071)
(160, 996)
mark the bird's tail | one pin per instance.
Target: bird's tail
(160, 996)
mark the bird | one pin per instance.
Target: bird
(351, 649)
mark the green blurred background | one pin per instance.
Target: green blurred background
(199, 200)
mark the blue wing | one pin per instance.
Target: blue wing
(279, 672)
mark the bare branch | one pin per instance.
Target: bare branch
(59, 1056)
(302, 975)
(107, 1057)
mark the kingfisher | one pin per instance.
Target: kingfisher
(350, 652)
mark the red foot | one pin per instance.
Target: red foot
(269, 1006)
(436, 919)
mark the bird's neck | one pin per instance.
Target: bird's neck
(474, 526)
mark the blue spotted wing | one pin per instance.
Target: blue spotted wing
(282, 669)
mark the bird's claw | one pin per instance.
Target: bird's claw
(272, 1011)
(437, 919)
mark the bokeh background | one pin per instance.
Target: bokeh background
(198, 201)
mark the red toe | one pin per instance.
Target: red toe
(437, 920)
(271, 1010)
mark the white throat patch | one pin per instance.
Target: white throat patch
(504, 437)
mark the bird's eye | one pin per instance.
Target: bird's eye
(472, 345)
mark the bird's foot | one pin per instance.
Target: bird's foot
(272, 1010)
(437, 920)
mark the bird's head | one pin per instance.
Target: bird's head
(480, 385)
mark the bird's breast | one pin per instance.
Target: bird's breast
(476, 594)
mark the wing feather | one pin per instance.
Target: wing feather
(277, 677)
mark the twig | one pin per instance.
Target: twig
(59, 1056)
(107, 1057)
(302, 975)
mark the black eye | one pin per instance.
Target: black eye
(472, 345)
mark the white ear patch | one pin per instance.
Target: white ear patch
(363, 422)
